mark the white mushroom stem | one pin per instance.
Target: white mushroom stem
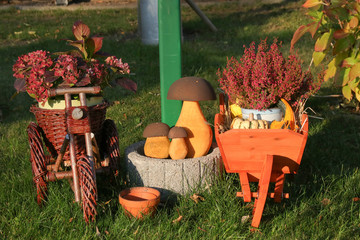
(199, 132)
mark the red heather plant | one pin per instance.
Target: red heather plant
(39, 71)
(262, 77)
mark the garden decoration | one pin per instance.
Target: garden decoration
(157, 142)
(262, 77)
(79, 141)
(335, 26)
(178, 148)
(74, 126)
(169, 17)
(138, 202)
(259, 150)
(260, 155)
(191, 134)
(171, 177)
(199, 134)
(169, 56)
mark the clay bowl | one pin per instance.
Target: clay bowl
(139, 201)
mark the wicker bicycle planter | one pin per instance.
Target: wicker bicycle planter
(54, 126)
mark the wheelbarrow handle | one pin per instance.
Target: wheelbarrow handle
(63, 91)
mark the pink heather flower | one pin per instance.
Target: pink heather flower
(66, 67)
(32, 67)
(118, 65)
(37, 72)
(261, 77)
(96, 72)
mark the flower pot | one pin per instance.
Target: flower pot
(171, 177)
(272, 114)
(139, 201)
(54, 125)
(60, 104)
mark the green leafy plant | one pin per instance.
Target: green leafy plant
(335, 26)
(87, 46)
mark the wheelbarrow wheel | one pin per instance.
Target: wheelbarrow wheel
(110, 146)
(38, 162)
(88, 188)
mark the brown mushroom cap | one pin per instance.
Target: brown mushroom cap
(177, 132)
(157, 129)
(191, 89)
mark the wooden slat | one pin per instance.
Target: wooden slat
(255, 195)
(246, 149)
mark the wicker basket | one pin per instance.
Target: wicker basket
(53, 124)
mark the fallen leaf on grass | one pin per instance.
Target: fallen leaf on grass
(249, 206)
(196, 198)
(107, 202)
(244, 219)
(325, 201)
(201, 229)
(356, 199)
(320, 218)
(71, 219)
(136, 231)
(178, 219)
(255, 230)
(97, 231)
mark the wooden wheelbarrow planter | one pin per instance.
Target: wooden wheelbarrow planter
(263, 156)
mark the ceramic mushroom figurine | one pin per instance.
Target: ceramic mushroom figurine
(157, 142)
(192, 90)
(178, 148)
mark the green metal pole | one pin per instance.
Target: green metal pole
(170, 56)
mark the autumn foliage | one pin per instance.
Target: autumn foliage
(335, 27)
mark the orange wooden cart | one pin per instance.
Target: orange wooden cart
(263, 156)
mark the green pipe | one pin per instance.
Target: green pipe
(170, 56)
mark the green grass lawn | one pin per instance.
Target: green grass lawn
(324, 194)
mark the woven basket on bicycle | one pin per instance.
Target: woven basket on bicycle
(53, 124)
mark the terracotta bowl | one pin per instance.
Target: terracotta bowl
(139, 201)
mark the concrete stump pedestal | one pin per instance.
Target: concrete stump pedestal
(171, 177)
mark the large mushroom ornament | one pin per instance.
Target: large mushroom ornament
(191, 90)
(157, 142)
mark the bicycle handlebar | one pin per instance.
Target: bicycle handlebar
(63, 91)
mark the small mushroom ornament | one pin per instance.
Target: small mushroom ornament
(178, 148)
(157, 142)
